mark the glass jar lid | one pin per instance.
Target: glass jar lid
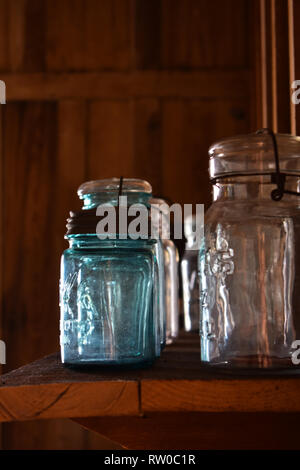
(112, 185)
(253, 154)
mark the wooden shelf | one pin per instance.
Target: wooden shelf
(175, 383)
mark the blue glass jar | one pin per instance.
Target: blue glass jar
(109, 287)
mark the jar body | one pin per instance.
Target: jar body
(190, 284)
(171, 290)
(161, 299)
(107, 302)
(249, 274)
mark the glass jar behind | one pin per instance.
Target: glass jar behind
(108, 287)
(171, 281)
(250, 260)
(171, 259)
(190, 279)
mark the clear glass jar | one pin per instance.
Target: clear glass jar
(171, 283)
(108, 288)
(171, 258)
(249, 262)
(190, 279)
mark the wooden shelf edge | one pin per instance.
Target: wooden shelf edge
(251, 395)
(67, 400)
(176, 383)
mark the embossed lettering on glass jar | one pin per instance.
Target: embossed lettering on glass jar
(108, 288)
(249, 262)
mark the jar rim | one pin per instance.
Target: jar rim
(111, 185)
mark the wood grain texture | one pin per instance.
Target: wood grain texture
(204, 33)
(44, 163)
(29, 137)
(4, 52)
(275, 65)
(54, 434)
(64, 170)
(68, 400)
(281, 67)
(219, 396)
(147, 34)
(89, 43)
(119, 86)
(70, 170)
(76, 35)
(208, 431)
(65, 35)
(110, 139)
(257, 68)
(148, 142)
(189, 128)
(14, 42)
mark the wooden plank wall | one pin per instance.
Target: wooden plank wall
(99, 88)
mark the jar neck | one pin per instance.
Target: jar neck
(254, 188)
(90, 241)
(93, 200)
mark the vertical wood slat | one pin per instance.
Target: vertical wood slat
(294, 42)
(29, 181)
(88, 35)
(292, 62)
(71, 165)
(262, 66)
(4, 53)
(274, 65)
(44, 162)
(110, 139)
(48, 181)
(268, 64)
(280, 59)
(16, 34)
(204, 33)
(147, 34)
(188, 129)
(255, 54)
(147, 142)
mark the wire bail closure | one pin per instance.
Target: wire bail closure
(278, 177)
